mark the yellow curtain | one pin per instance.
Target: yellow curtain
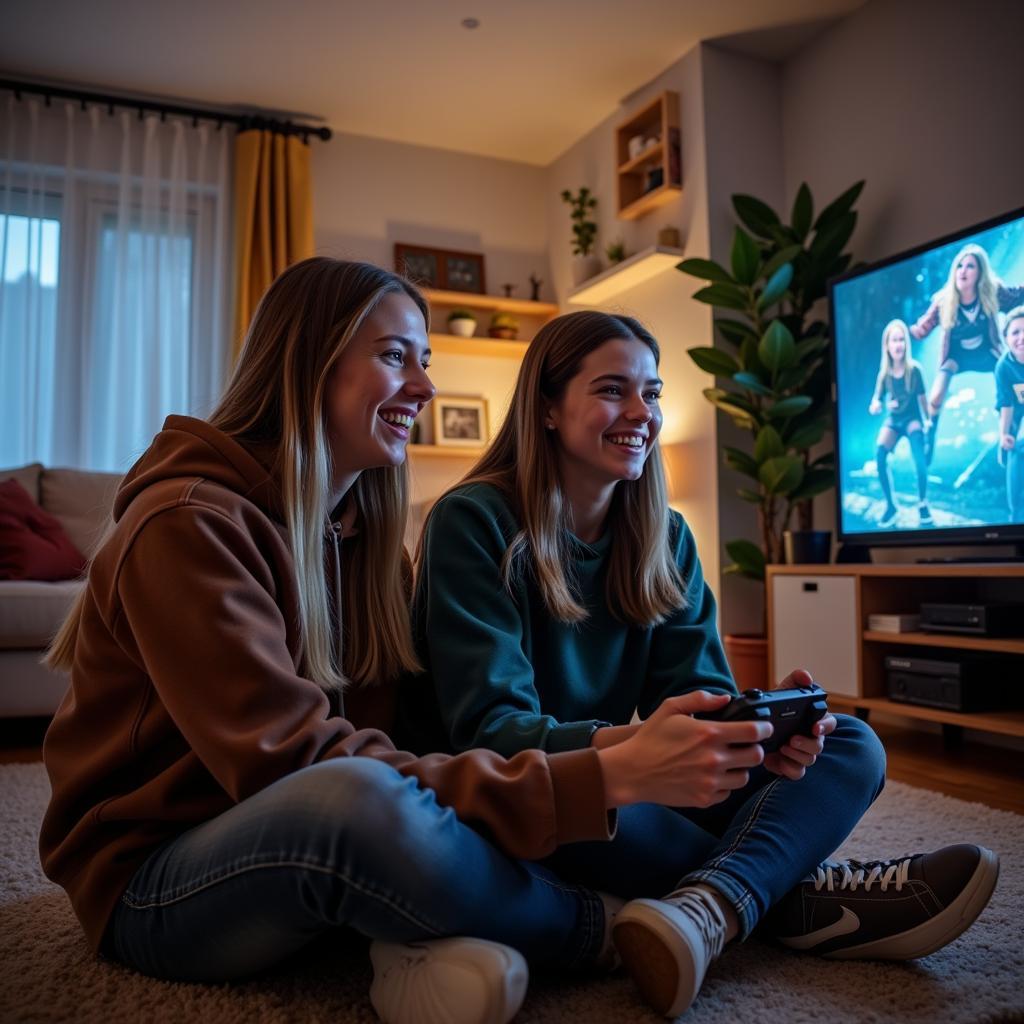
(273, 216)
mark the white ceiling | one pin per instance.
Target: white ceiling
(531, 80)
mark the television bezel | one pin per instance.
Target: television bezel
(1002, 533)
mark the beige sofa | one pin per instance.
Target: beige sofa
(31, 611)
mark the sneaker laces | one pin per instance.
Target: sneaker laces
(851, 874)
(702, 908)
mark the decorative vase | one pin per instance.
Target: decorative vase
(585, 267)
(807, 547)
(463, 326)
(748, 658)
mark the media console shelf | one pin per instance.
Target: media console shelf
(817, 619)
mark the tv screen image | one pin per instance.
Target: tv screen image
(929, 374)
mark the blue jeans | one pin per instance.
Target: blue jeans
(351, 843)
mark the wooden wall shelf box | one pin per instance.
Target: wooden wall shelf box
(654, 175)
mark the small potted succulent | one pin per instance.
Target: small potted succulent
(462, 322)
(504, 325)
(616, 252)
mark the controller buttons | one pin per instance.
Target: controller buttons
(753, 693)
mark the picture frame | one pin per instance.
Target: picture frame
(445, 269)
(460, 421)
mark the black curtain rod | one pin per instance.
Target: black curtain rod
(243, 121)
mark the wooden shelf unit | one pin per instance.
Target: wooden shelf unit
(636, 194)
(900, 589)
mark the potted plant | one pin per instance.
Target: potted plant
(584, 232)
(773, 377)
(462, 322)
(504, 325)
(616, 252)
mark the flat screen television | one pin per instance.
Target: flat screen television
(928, 364)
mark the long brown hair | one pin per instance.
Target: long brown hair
(643, 583)
(275, 403)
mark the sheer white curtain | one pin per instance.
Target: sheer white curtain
(114, 278)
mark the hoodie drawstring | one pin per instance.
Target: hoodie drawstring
(336, 536)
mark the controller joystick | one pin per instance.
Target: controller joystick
(791, 712)
(753, 693)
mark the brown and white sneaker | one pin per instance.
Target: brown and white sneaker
(887, 909)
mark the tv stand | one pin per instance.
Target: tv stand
(819, 613)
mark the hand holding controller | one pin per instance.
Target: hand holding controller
(791, 712)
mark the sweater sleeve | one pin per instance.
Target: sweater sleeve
(197, 608)
(686, 650)
(472, 632)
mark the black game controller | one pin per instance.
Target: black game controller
(791, 712)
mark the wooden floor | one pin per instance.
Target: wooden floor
(973, 771)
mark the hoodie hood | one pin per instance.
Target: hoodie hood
(188, 447)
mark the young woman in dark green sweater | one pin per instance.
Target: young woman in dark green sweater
(558, 594)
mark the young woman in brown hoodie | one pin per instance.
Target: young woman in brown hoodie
(223, 789)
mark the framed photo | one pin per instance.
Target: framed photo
(460, 421)
(441, 268)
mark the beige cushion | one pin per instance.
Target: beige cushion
(27, 476)
(82, 501)
(31, 612)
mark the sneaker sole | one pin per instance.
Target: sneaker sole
(647, 943)
(938, 931)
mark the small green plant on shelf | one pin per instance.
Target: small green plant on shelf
(504, 325)
(616, 252)
(584, 230)
(462, 322)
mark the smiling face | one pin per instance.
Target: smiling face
(896, 344)
(376, 388)
(1015, 338)
(608, 416)
(966, 275)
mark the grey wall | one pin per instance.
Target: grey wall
(921, 99)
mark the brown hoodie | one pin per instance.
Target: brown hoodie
(186, 695)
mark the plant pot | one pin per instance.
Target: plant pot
(748, 659)
(807, 547)
(463, 326)
(584, 268)
(506, 333)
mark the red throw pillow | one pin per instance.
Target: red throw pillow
(33, 545)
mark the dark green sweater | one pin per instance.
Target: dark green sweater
(502, 673)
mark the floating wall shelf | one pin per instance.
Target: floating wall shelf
(625, 275)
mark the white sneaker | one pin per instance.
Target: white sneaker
(668, 944)
(447, 981)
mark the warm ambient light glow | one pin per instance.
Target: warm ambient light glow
(682, 470)
(625, 275)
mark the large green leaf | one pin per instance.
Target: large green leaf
(815, 481)
(725, 295)
(752, 383)
(784, 255)
(768, 445)
(740, 461)
(706, 270)
(745, 257)
(735, 331)
(776, 286)
(803, 211)
(747, 556)
(758, 216)
(714, 360)
(810, 346)
(787, 407)
(807, 436)
(830, 240)
(754, 497)
(781, 474)
(796, 376)
(777, 348)
(839, 206)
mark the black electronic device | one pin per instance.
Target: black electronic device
(971, 683)
(989, 619)
(791, 712)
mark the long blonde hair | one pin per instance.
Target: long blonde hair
(988, 287)
(908, 362)
(643, 584)
(301, 326)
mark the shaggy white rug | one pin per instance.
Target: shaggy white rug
(47, 973)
